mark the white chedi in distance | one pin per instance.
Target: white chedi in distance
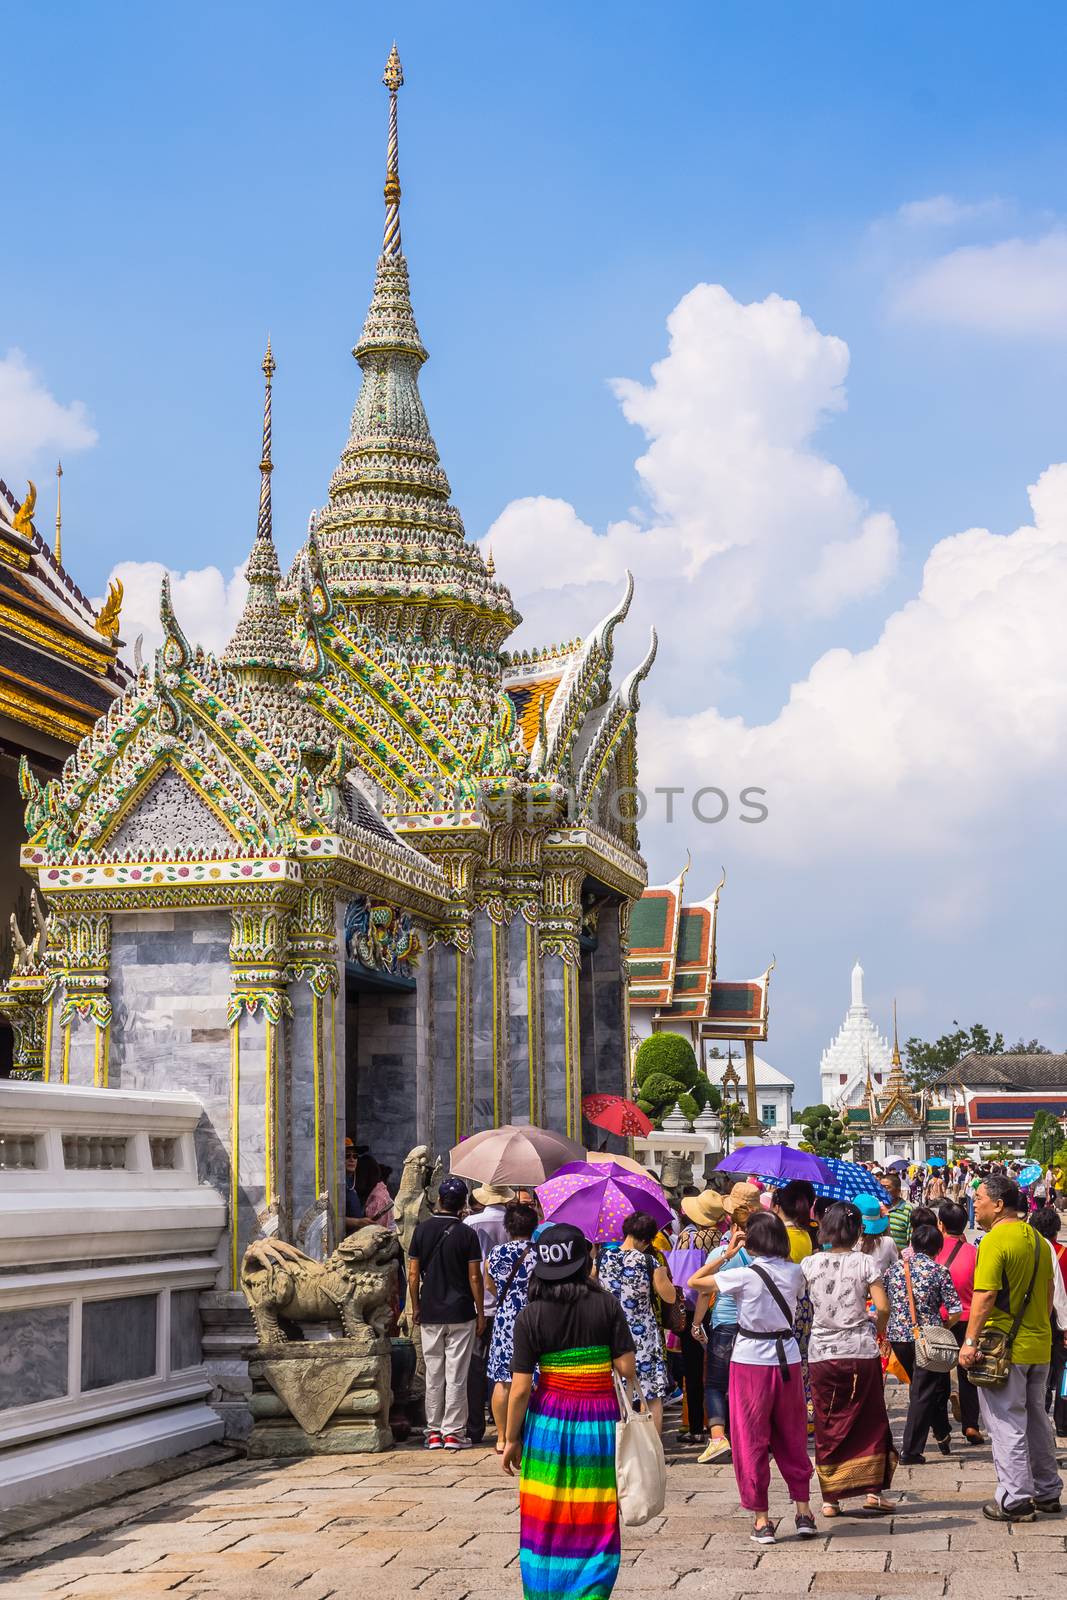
(857, 1043)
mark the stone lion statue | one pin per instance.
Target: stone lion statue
(357, 1284)
(417, 1191)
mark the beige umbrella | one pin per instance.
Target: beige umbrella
(621, 1161)
(517, 1157)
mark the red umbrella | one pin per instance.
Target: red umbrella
(616, 1114)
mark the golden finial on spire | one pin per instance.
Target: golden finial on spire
(392, 78)
(59, 512)
(896, 1046)
(394, 72)
(266, 466)
(490, 565)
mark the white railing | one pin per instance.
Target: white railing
(107, 1240)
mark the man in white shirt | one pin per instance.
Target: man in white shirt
(488, 1225)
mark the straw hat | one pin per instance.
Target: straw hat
(493, 1194)
(743, 1196)
(704, 1209)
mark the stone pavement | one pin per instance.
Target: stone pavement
(414, 1524)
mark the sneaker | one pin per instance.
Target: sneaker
(806, 1528)
(718, 1454)
(762, 1533)
(456, 1441)
(1021, 1511)
(673, 1400)
(1051, 1508)
(434, 1441)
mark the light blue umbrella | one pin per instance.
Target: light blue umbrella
(936, 1161)
(1030, 1173)
(849, 1180)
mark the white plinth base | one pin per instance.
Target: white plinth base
(68, 1460)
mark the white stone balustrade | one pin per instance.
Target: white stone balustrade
(107, 1240)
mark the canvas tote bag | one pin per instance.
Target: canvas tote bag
(640, 1468)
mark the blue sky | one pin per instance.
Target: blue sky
(179, 182)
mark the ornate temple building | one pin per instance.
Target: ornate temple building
(60, 669)
(364, 869)
(674, 982)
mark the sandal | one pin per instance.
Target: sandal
(875, 1506)
(830, 1511)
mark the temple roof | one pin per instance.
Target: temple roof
(59, 662)
(1005, 1072)
(673, 965)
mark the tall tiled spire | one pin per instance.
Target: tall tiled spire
(262, 640)
(388, 536)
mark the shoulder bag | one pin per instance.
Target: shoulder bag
(672, 1313)
(935, 1345)
(640, 1467)
(779, 1336)
(993, 1365)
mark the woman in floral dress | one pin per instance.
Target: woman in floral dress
(508, 1268)
(633, 1272)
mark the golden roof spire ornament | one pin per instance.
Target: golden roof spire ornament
(264, 529)
(896, 1046)
(262, 643)
(58, 546)
(393, 77)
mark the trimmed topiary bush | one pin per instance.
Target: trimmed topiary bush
(666, 1075)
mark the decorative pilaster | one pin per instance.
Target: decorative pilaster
(317, 1102)
(560, 949)
(259, 1080)
(85, 1010)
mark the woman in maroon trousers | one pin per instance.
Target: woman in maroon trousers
(854, 1451)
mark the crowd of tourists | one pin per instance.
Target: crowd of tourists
(762, 1325)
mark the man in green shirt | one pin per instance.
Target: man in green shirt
(899, 1211)
(1013, 1270)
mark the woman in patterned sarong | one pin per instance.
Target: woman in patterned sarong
(561, 1435)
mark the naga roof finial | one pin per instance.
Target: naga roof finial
(392, 78)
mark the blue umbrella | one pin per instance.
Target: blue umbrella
(851, 1180)
(1030, 1173)
(936, 1161)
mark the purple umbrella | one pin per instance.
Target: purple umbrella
(776, 1163)
(598, 1198)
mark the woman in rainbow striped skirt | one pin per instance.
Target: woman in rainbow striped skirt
(561, 1435)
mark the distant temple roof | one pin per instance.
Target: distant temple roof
(1005, 1072)
(60, 666)
(673, 966)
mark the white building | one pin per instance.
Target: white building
(774, 1095)
(856, 1048)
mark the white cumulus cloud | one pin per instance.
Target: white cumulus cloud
(34, 426)
(206, 602)
(739, 506)
(955, 716)
(944, 211)
(1014, 286)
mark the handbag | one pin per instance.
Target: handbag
(672, 1312)
(640, 1466)
(993, 1362)
(935, 1345)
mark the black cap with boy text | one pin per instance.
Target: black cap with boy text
(561, 1250)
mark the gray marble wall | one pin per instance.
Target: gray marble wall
(185, 1329)
(602, 1016)
(118, 1340)
(170, 982)
(487, 1073)
(555, 1074)
(385, 1073)
(34, 1354)
(520, 938)
(445, 962)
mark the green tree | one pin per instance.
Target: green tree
(927, 1061)
(667, 1075)
(824, 1133)
(731, 1116)
(1044, 1136)
(1028, 1047)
